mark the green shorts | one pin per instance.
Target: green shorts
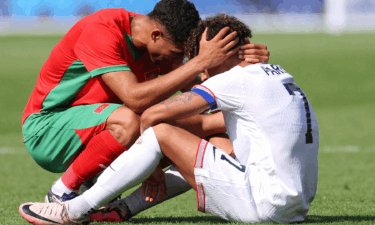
(55, 138)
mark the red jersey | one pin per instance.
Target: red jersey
(97, 44)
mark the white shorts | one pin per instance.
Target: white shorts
(222, 187)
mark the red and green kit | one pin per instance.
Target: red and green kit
(70, 102)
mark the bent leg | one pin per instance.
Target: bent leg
(220, 181)
(121, 131)
(135, 165)
(180, 147)
(117, 179)
(54, 139)
(128, 170)
(175, 182)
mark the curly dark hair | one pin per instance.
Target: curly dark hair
(178, 17)
(215, 24)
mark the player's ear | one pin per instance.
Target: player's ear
(156, 34)
(204, 75)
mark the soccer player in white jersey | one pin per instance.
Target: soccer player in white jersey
(270, 123)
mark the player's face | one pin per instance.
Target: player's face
(163, 51)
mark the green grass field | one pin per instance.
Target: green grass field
(336, 73)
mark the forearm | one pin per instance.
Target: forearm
(179, 107)
(149, 93)
(160, 113)
(202, 125)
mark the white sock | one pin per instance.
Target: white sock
(59, 188)
(176, 185)
(129, 169)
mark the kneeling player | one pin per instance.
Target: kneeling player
(269, 121)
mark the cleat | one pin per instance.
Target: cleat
(49, 213)
(53, 198)
(116, 211)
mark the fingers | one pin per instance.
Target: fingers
(256, 59)
(155, 190)
(149, 192)
(253, 58)
(230, 37)
(254, 53)
(254, 46)
(204, 35)
(143, 190)
(247, 40)
(233, 51)
(219, 35)
(231, 44)
(253, 61)
(262, 55)
(152, 192)
(162, 192)
(260, 52)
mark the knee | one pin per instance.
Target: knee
(124, 125)
(162, 131)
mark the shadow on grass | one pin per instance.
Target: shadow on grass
(190, 219)
(329, 219)
(216, 220)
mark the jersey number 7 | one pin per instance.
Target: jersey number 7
(292, 89)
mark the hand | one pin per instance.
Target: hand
(254, 53)
(214, 52)
(153, 184)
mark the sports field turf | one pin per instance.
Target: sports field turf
(336, 73)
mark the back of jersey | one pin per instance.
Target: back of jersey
(274, 132)
(284, 138)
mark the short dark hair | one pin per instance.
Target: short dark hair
(178, 17)
(215, 24)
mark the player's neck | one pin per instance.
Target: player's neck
(139, 26)
(234, 61)
(243, 63)
(230, 63)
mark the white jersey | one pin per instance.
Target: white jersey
(274, 132)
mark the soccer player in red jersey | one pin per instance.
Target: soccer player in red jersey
(84, 110)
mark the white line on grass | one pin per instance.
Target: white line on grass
(347, 148)
(13, 151)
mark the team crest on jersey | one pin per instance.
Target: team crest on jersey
(152, 74)
(101, 108)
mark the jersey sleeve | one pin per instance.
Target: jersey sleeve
(222, 92)
(99, 49)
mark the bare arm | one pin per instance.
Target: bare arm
(202, 125)
(179, 107)
(140, 96)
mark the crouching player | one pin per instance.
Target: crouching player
(270, 123)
